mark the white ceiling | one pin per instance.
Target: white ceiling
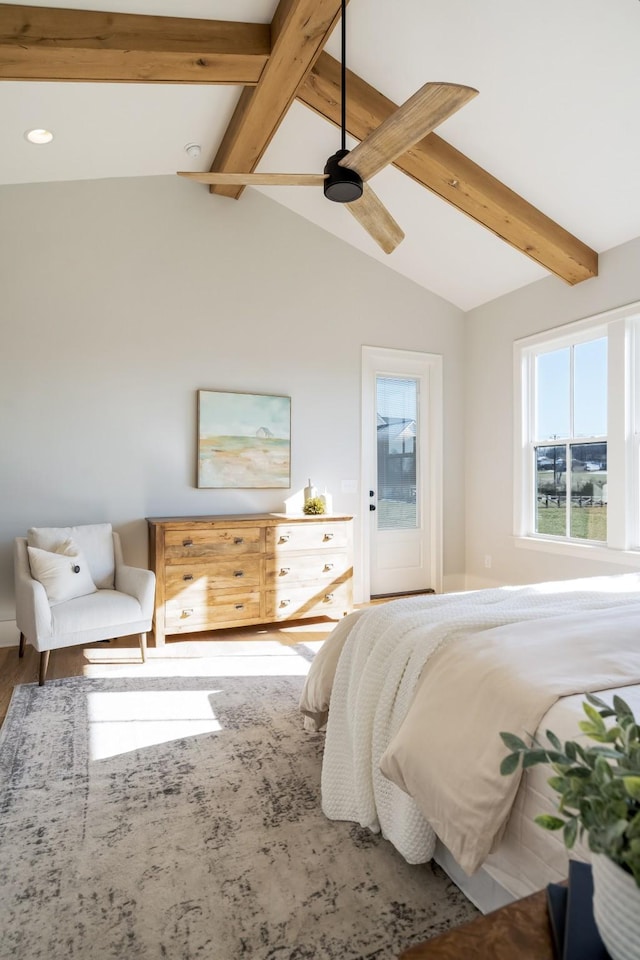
(557, 120)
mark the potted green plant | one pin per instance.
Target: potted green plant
(314, 505)
(598, 787)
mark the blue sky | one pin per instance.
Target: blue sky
(553, 371)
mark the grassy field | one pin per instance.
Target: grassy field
(587, 523)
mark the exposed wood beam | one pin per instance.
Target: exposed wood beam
(437, 165)
(51, 43)
(41, 43)
(258, 179)
(299, 31)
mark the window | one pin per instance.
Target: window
(570, 404)
(578, 456)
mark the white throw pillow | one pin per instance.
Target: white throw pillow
(94, 539)
(64, 573)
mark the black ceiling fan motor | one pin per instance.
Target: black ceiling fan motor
(342, 185)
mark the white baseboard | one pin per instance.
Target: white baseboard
(9, 634)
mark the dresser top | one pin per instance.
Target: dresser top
(266, 518)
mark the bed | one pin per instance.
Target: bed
(414, 693)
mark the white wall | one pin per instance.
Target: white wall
(121, 298)
(491, 332)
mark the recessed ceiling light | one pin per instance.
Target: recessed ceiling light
(39, 136)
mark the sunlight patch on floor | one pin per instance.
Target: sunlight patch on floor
(223, 658)
(123, 721)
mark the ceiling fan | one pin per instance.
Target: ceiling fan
(346, 172)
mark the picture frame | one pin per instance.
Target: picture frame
(244, 440)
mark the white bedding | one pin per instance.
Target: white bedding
(369, 669)
(505, 678)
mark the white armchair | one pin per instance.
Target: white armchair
(73, 587)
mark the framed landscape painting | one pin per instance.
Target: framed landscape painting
(244, 440)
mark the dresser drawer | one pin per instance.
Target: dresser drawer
(310, 600)
(316, 535)
(204, 579)
(180, 616)
(215, 542)
(319, 567)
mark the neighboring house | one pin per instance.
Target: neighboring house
(396, 458)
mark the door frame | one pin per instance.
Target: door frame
(428, 366)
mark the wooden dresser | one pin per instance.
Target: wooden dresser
(231, 571)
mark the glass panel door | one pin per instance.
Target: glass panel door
(397, 405)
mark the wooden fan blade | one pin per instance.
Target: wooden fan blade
(371, 213)
(258, 179)
(432, 104)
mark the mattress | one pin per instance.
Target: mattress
(528, 856)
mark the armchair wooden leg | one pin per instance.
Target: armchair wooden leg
(44, 663)
(143, 647)
(21, 647)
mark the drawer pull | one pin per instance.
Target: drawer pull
(328, 597)
(328, 536)
(284, 571)
(238, 573)
(239, 606)
(285, 603)
(187, 543)
(328, 566)
(284, 538)
(188, 612)
(238, 540)
(188, 576)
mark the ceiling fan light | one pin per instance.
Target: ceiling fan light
(342, 185)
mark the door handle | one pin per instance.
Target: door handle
(372, 506)
(372, 493)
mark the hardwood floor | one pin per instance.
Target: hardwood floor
(201, 654)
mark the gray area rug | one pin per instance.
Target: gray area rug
(180, 819)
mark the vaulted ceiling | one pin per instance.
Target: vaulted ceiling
(533, 176)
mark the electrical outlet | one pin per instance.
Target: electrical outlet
(487, 561)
